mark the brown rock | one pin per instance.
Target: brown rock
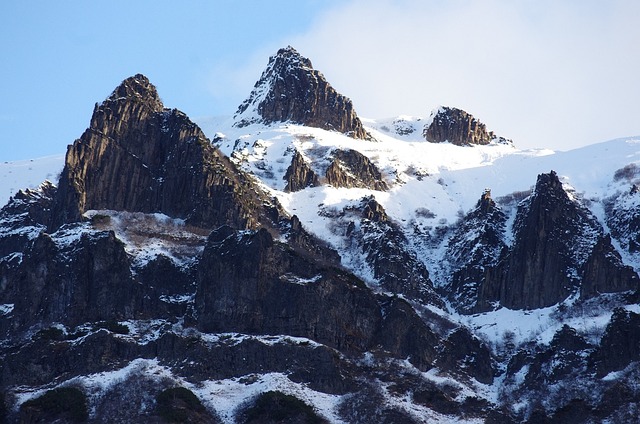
(291, 90)
(352, 169)
(138, 156)
(458, 127)
(299, 175)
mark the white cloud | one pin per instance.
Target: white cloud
(546, 73)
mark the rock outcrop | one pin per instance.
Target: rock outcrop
(604, 271)
(24, 217)
(299, 175)
(252, 284)
(350, 168)
(476, 245)
(552, 237)
(396, 269)
(559, 249)
(290, 90)
(139, 156)
(88, 279)
(458, 127)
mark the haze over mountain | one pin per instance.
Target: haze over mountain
(299, 263)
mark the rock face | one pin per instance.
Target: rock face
(559, 249)
(24, 217)
(138, 156)
(604, 271)
(540, 269)
(350, 168)
(299, 175)
(458, 127)
(476, 245)
(384, 246)
(251, 284)
(290, 90)
(51, 285)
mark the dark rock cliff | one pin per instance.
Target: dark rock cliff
(291, 90)
(396, 268)
(552, 233)
(604, 271)
(476, 245)
(299, 175)
(458, 127)
(24, 217)
(138, 156)
(559, 249)
(350, 168)
(249, 283)
(88, 279)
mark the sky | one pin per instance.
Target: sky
(556, 74)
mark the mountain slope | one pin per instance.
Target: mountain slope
(290, 256)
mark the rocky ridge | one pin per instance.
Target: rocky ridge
(230, 301)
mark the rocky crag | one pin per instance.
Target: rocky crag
(81, 282)
(458, 127)
(138, 156)
(290, 90)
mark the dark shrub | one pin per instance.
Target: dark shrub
(178, 405)
(65, 403)
(272, 407)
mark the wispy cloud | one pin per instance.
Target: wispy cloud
(545, 73)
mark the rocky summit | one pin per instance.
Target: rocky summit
(290, 90)
(299, 265)
(458, 127)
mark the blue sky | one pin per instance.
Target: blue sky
(556, 74)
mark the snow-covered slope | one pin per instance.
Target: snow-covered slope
(30, 173)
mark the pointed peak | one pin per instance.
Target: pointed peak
(290, 90)
(550, 180)
(137, 87)
(288, 56)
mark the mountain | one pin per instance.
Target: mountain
(290, 90)
(300, 264)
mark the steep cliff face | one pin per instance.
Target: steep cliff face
(138, 156)
(350, 168)
(87, 279)
(458, 127)
(476, 245)
(291, 90)
(299, 175)
(559, 249)
(553, 237)
(24, 217)
(604, 271)
(250, 283)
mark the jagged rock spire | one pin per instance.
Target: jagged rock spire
(138, 156)
(458, 127)
(291, 90)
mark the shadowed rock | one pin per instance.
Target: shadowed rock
(138, 156)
